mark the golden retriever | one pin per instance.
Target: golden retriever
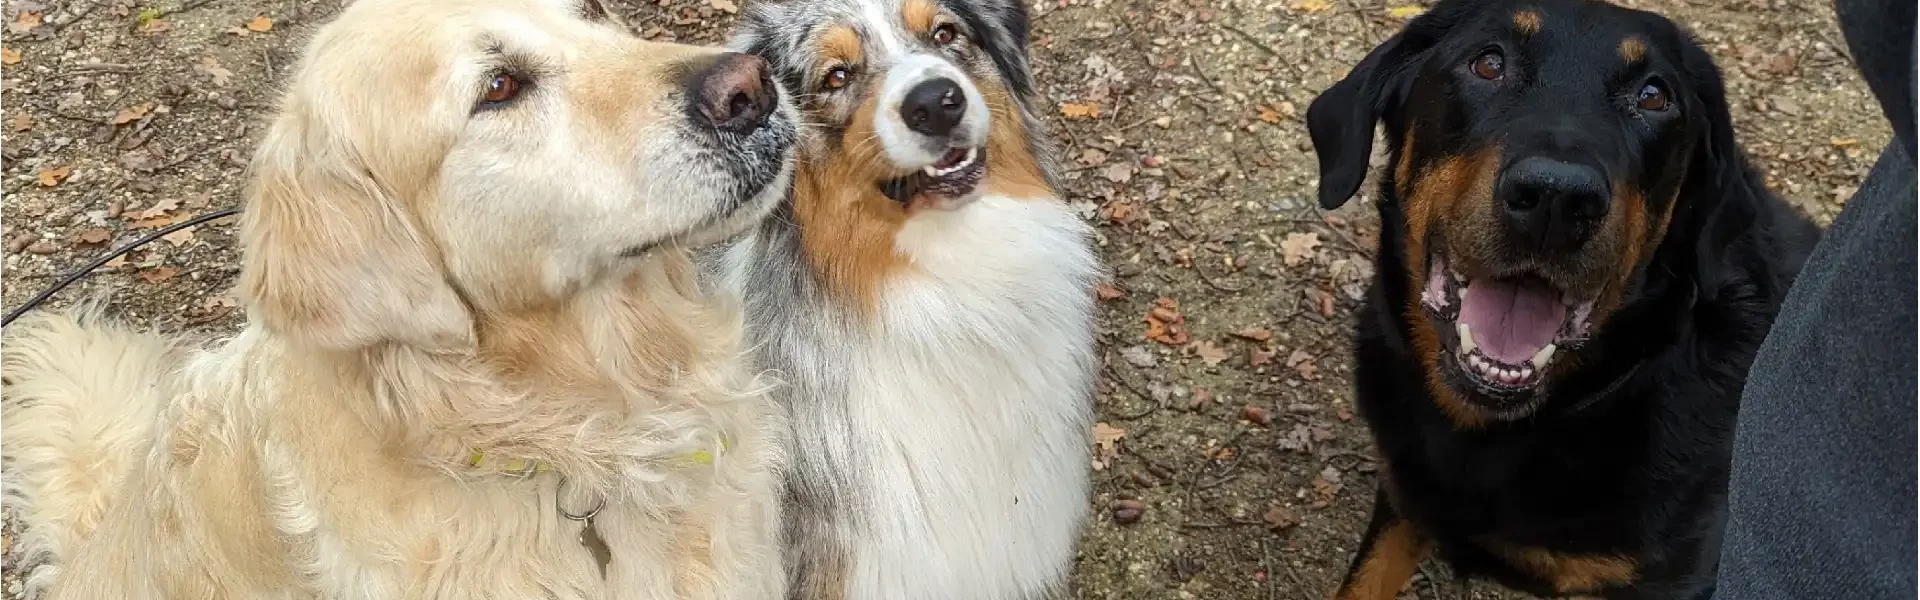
(473, 321)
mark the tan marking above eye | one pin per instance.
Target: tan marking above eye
(1632, 49)
(920, 16)
(840, 44)
(1526, 22)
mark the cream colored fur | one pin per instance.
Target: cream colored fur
(425, 280)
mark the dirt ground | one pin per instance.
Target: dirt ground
(1232, 467)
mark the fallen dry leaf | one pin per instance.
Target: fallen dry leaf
(1298, 247)
(1268, 114)
(153, 223)
(1280, 518)
(1119, 172)
(1201, 398)
(1302, 363)
(95, 236)
(1258, 334)
(1108, 292)
(9, 56)
(1343, 414)
(1087, 110)
(260, 24)
(132, 113)
(160, 208)
(53, 176)
(726, 6)
(1165, 324)
(1209, 353)
(1092, 156)
(117, 262)
(1312, 6)
(21, 122)
(1106, 440)
(179, 238)
(1257, 357)
(158, 275)
(1406, 11)
(155, 26)
(221, 301)
(211, 66)
(24, 22)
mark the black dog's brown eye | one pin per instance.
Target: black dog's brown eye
(1490, 65)
(1654, 98)
(502, 88)
(945, 34)
(836, 78)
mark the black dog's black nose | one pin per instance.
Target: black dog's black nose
(735, 93)
(934, 107)
(1556, 205)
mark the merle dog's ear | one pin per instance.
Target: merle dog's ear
(1341, 119)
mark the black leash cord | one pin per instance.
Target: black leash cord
(83, 271)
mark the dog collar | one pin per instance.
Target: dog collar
(524, 468)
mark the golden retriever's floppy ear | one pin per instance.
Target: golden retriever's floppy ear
(332, 258)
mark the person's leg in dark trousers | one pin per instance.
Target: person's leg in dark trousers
(1822, 500)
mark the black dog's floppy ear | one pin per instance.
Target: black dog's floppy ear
(1341, 119)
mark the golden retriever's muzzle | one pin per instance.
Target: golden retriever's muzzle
(745, 126)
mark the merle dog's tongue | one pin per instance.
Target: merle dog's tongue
(1511, 320)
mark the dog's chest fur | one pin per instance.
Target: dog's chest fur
(941, 442)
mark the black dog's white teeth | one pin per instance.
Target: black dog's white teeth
(1505, 375)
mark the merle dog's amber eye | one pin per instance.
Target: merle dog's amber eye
(836, 78)
(1490, 65)
(945, 34)
(501, 88)
(1654, 98)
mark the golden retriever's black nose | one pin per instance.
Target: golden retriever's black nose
(1554, 205)
(934, 107)
(735, 93)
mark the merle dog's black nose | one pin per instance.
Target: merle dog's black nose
(1555, 205)
(934, 107)
(735, 93)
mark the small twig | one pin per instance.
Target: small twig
(89, 68)
(1343, 235)
(1252, 40)
(1221, 526)
(267, 57)
(1152, 405)
(1223, 480)
(1215, 284)
(1203, 74)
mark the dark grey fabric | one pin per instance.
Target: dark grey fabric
(1822, 500)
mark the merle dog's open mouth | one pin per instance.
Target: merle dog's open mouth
(1502, 332)
(953, 177)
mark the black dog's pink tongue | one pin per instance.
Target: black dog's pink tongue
(1511, 320)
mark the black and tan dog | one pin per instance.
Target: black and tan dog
(1577, 266)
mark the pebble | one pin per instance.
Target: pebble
(43, 247)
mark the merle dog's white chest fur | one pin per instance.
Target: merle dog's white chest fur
(950, 429)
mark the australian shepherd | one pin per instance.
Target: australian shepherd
(476, 363)
(925, 297)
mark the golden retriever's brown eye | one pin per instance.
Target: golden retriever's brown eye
(1490, 65)
(1654, 98)
(502, 88)
(836, 78)
(945, 34)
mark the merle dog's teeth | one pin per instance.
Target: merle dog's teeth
(1466, 338)
(1545, 354)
